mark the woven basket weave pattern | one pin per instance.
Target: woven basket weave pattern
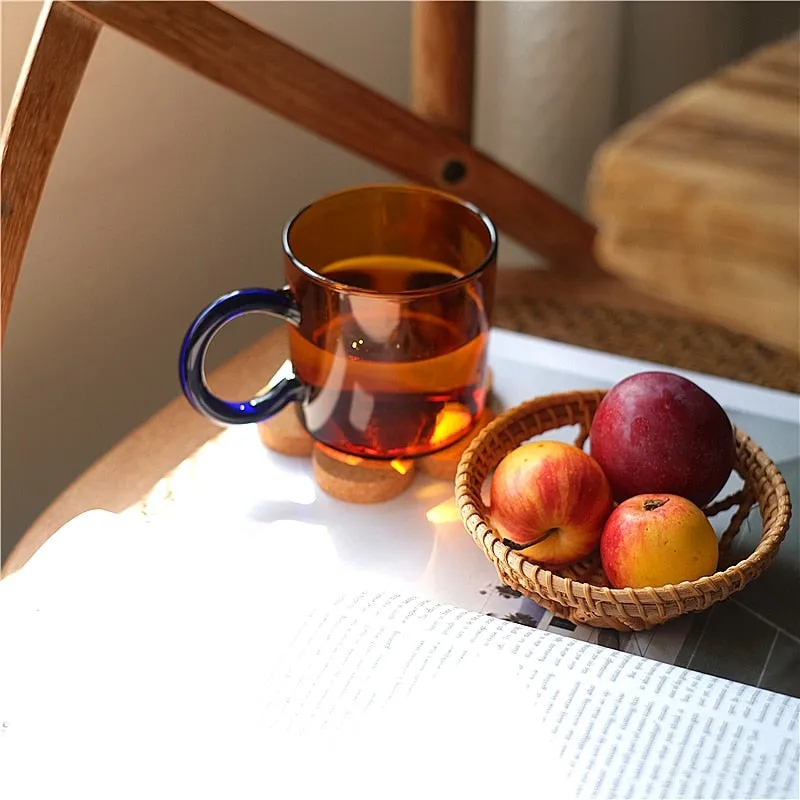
(581, 592)
(684, 343)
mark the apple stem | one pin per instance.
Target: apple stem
(517, 546)
(652, 505)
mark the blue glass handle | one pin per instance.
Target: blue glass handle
(195, 344)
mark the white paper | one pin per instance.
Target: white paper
(186, 664)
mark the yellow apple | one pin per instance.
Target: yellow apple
(657, 539)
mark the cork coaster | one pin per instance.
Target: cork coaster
(284, 433)
(357, 480)
(444, 463)
(353, 479)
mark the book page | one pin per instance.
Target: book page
(198, 674)
(616, 725)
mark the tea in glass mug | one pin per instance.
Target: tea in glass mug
(388, 298)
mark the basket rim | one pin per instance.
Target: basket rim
(768, 543)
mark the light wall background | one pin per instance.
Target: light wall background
(167, 191)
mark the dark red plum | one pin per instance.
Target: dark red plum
(659, 432)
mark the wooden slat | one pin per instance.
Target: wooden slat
(228, 50)
(443, 63)
(51, 76)
(698, 201)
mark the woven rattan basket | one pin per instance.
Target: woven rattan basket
(581, 592)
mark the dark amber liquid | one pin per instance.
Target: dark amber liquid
(393, 378)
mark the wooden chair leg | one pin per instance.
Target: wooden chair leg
(443, 63)
(52, 74)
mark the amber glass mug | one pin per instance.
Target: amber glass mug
(389, 298)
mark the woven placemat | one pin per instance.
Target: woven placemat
(686, 344)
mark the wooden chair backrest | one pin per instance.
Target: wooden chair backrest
(429, 147)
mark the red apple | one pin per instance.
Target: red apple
(659, 432)
(549, 501)
(656, 539)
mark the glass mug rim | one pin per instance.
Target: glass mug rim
(349, 289)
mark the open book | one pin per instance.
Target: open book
(142, 662)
